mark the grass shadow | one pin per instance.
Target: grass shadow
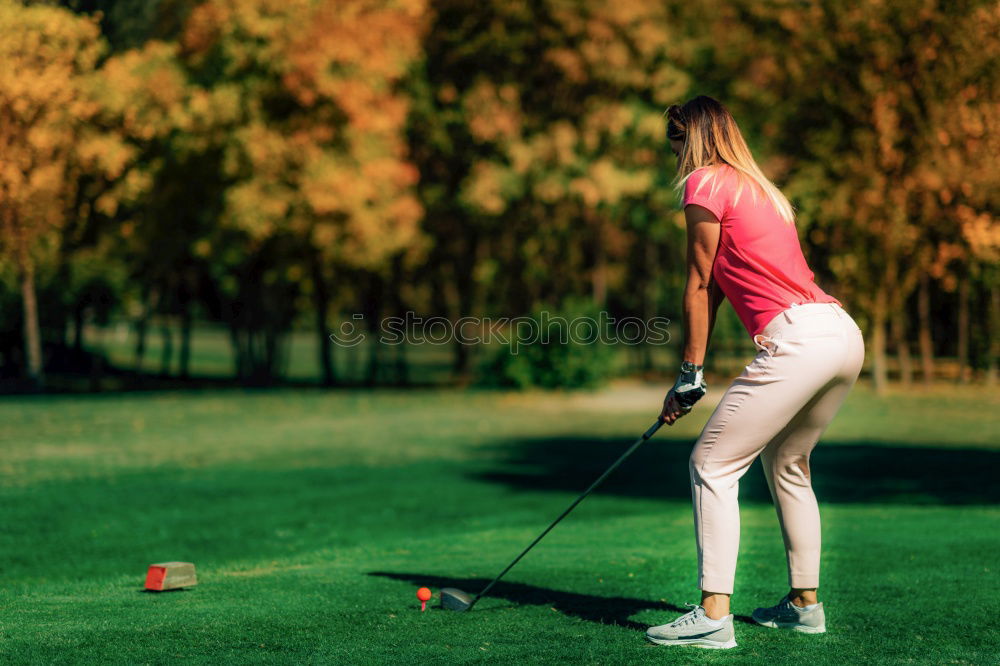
(612, 611)
(842, 472)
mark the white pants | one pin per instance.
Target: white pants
(810, 356)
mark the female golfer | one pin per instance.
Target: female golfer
(742, 245)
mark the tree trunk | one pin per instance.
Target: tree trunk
(239, 361)
(32, 334)
(599, 277)
(993, 335)
(399, 304)
(186, 324)
(271, 361)
(97, 369)
(374, 360)
(879, 371)
(964, 371)
(464, 305)
(648, 301)
(167, 354)
(150, 299)
(925, 336)
(902, 343)
(461, 363)
(374, 307)
(78, 312)
(402, 367)
(321, 304)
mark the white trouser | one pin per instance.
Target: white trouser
(810, 356)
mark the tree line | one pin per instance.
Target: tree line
(268, 164)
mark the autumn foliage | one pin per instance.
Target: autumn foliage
(267, 164)
(47, 57)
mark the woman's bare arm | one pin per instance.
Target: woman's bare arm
(715, 300)
(700, 304)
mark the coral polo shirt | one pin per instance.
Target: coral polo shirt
(759, 264)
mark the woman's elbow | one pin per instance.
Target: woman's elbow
(698, 284)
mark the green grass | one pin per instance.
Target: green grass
(313, 517)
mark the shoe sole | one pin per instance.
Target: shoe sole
(694, 642)
(794, 626)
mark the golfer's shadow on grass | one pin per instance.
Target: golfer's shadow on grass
(614, 611)
(843, 472)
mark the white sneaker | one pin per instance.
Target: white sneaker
(786, 615)
(696, 629)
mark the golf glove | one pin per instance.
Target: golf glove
(690, 385)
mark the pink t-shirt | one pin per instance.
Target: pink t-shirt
(759, 264)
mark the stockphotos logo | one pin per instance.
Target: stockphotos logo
(514, 332)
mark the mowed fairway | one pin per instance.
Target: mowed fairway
(314, 516)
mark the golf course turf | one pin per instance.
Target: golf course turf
(313, 517)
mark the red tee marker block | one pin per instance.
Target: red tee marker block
(170, 576)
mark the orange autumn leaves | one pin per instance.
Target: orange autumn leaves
(609, 66)
(46, 56)
(516, 136)
(303, 100)
(318, 149)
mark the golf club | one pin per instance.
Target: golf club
(455, 599)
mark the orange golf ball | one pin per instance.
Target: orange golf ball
(424, 594)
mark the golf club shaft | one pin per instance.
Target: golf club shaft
(649, 433)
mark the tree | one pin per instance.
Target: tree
(541, 142)
(167, 196)
(315, 148)
(47, 55)
(883, 156)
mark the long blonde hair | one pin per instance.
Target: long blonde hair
(711, 137)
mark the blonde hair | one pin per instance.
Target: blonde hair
(711, 137)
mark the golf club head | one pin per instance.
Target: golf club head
(455, 599)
